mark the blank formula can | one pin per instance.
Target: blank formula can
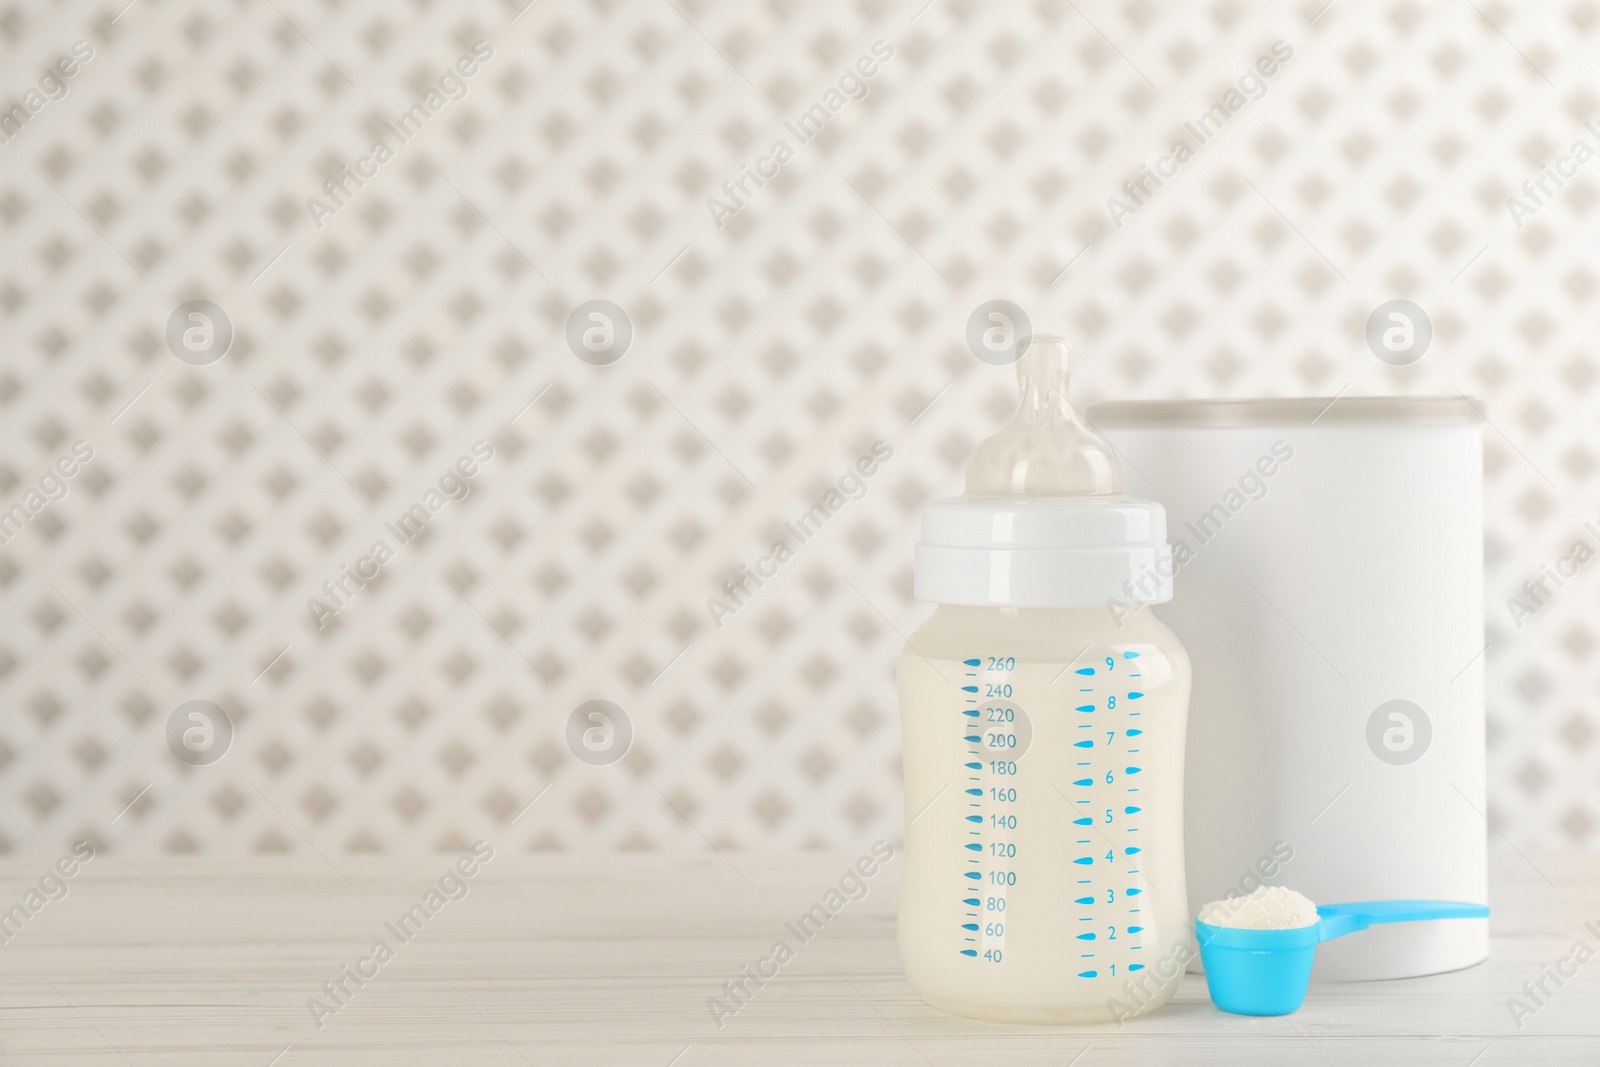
(1329, 589)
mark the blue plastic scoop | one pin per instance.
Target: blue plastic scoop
(1265, 972)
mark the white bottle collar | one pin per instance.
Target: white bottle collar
(1045, 552)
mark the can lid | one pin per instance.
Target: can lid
(1291, 411)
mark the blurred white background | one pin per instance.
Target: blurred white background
(767, 354)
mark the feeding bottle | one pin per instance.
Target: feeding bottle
(1043, 707)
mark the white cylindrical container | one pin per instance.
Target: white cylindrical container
(1331, 554)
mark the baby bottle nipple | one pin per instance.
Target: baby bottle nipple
(1046, 449)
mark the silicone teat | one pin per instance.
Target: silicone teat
(1046, 449)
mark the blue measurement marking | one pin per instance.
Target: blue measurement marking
(1086, 937)
(1083, 744)
(1084, 670)
(1132, 770)
(1134, 891)
(1135, 966)
(1135, 733)
(1135, 929)
(1135, 696)
(972, 713)
(1084, 861)
(1084, 781)
(1088, 974)
(1082, 822)
(1085, 707)
(1084, 900)
(1130, 655)
(972, 662)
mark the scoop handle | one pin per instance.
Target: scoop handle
(1341, 919)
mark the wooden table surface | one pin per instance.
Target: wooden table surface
(558, 959)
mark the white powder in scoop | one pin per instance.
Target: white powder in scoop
(1270, 907)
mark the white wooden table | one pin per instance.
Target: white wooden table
(554, 959)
